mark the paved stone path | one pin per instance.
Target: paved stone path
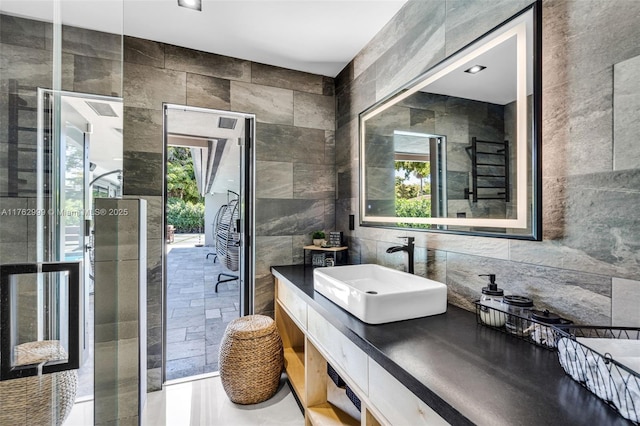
(197, 316)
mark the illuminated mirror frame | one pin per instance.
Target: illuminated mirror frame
(527, 215)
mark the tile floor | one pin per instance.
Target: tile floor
(204, 402)
(197, 316)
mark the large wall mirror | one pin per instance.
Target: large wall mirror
(458, 149)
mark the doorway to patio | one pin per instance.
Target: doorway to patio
(208, 279)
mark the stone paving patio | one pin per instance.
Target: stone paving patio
(197, 316)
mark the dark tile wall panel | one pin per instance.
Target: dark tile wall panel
(311, 181)
(469, 19)
(24, 32)
(197, 62)
(143, 173)
(95, 44)
(142, 129)
(270, 104)
(97, 76)
(313, 111)
(590, 234)
(276, 142)
(148, 87)
(269, 75)
(143, 52)
(280, 217)
(626, 107)
(32, 67)
(276, 179)
(417, 50)
(208, 92)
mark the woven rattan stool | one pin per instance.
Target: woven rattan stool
(38, 400)
(251, 359)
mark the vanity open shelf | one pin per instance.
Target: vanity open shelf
(319, 410)
(294, 365)
(309, 345)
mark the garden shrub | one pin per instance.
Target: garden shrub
(186, 217)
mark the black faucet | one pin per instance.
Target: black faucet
(409, 248)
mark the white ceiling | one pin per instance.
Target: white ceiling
(498, 82)
(495, 84)
(316, 36)
(105, 141)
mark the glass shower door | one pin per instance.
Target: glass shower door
(40, 295)
(82, 159)
(46, 301)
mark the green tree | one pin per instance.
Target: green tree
(185, 206)
(405, 190)
(181, 179)
(420, 169)
(185, 216)
(416, 207)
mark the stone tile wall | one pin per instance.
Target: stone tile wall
(91, 63)
(294, 150)
(626, 109)
(591, 234)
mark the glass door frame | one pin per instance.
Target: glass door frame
(246, 213)
(50, 241)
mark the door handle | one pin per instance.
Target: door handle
(8, 371)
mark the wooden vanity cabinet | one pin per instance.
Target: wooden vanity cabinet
(306, 362)
(310, 342)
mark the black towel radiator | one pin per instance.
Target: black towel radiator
(489, 170)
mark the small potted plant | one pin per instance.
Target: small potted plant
(318, 238)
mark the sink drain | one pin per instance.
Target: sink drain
(372, 292)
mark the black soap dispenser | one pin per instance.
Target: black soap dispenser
(492, 303)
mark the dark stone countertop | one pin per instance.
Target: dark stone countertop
(467, 373)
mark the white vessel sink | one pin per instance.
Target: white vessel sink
(376, 294)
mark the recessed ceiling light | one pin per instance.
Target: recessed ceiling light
(475, 69)
(191, 4)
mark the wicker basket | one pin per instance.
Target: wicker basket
(251, 359)
(38, 400)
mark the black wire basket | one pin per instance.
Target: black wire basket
(609, 366)
(354, 398)
(335, 377)
(524, 328)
